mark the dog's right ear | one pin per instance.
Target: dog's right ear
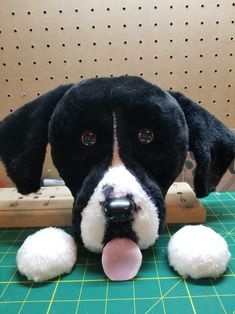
(24, 137)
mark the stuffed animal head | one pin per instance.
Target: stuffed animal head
(118, 143)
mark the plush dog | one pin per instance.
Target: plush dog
(118, 143)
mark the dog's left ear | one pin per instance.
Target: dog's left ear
(211, 142)
(24, 137)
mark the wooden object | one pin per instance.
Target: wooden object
(51, 206)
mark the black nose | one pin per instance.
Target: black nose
(119, 209)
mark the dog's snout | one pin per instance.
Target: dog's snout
(119, 209)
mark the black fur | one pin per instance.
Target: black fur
(62, 115)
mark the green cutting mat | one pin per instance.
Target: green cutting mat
(157, 289)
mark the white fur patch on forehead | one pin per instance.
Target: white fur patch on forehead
(116, 158)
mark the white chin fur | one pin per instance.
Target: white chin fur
(146, 221)
(46, 254)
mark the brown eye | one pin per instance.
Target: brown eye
(88, 138)
(146, 136)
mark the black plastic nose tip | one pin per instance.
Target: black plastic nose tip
(119, 209)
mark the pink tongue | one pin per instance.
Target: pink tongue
(121, 259)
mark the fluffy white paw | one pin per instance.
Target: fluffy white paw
(46, 254)
(198, 252)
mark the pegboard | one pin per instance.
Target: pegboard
(187, 46)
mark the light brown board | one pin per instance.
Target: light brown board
(51, 206)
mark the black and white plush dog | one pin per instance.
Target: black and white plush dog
(118, 143)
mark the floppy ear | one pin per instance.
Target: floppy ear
(211, 142)
(23, 140)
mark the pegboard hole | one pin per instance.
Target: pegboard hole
(227, 115)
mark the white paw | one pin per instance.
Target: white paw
(46, 254)
(198, 252)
